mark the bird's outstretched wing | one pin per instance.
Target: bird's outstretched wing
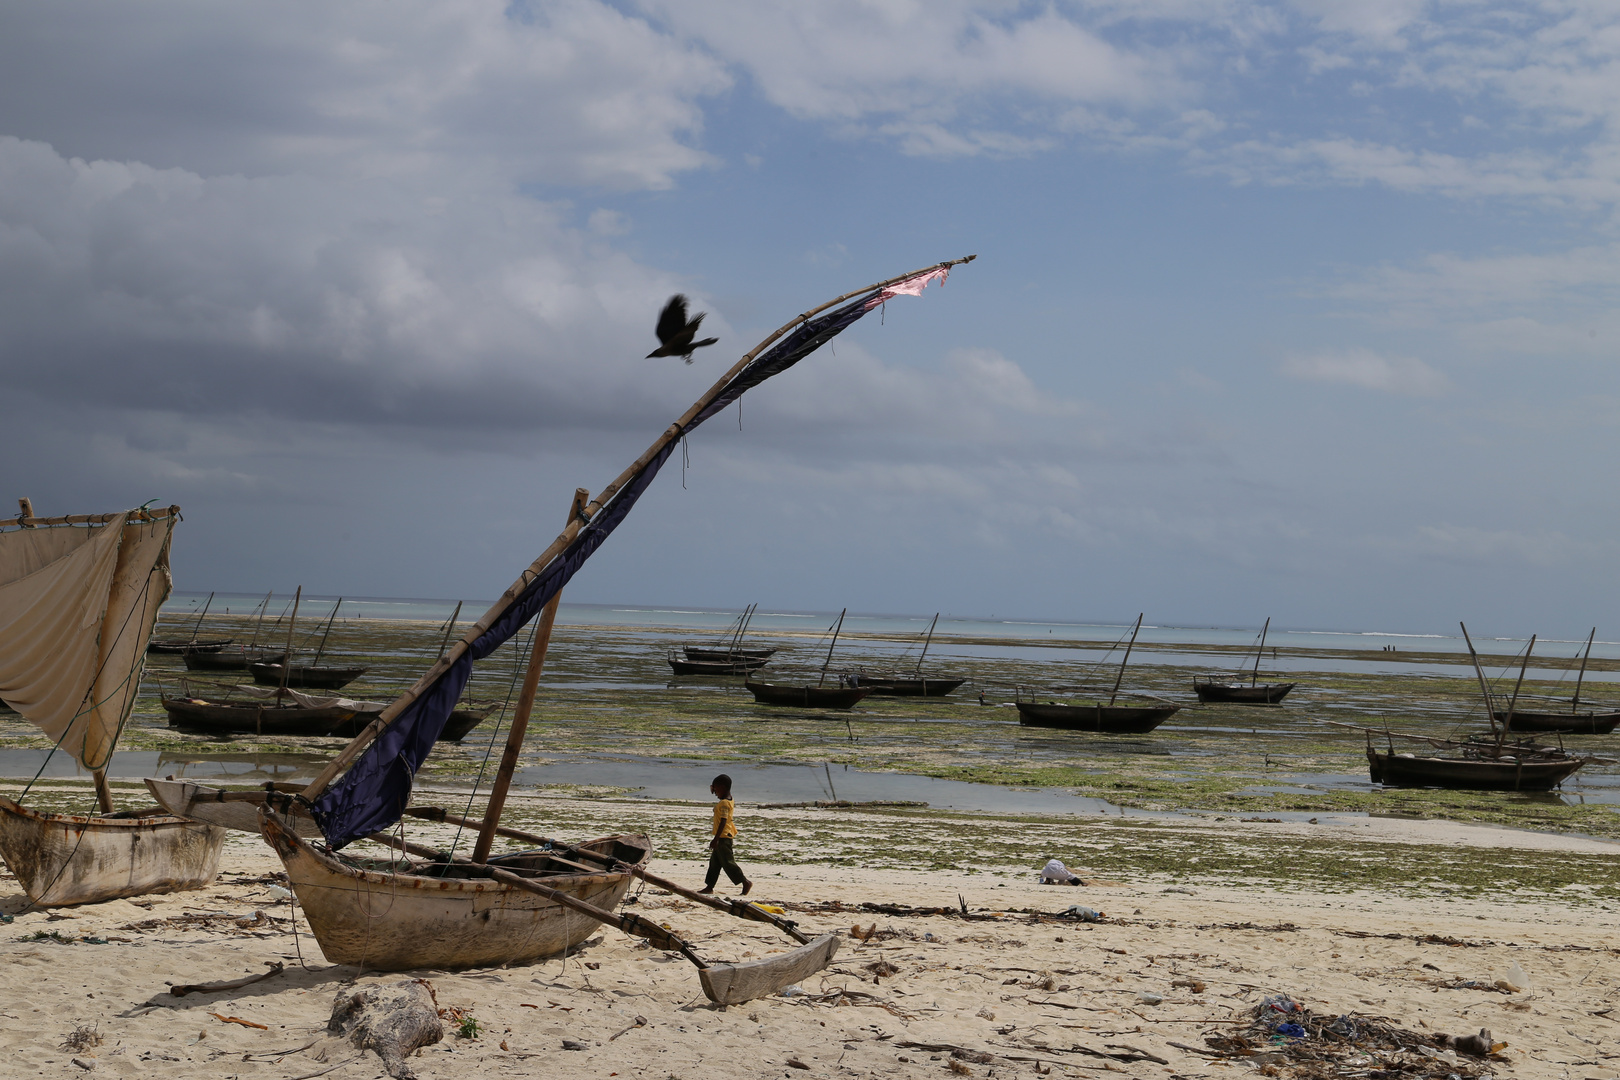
(673, 319)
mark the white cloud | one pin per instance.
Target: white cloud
(1370, 371)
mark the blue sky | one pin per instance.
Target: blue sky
(1299, 309)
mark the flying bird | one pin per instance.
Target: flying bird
(675, 332)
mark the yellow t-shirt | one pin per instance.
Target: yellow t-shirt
(724, 826)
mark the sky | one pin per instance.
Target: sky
(1297, 309)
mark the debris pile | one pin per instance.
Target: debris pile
(1281, 1037)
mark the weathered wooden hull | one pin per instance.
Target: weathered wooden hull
(696, 652)
(236, 659)
(904, 686)
(1237, 694)
(237, 810)
(1104, 719)
(807, 697)
(212, 718)
(1401, 770)
(171, 646)
(303, 677)
(1561, 723)
(715, 667)
(64, 859)
(456, 728)
(404, 922)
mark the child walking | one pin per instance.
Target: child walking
(720, 843)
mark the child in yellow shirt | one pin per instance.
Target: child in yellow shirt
(720, 843)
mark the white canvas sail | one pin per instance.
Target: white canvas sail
(77, 606)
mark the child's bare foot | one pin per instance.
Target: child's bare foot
(747, 885)
(707, 889)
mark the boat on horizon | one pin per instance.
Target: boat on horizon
(914, 684)
(845, 693)
(1220, 689)
(1096, 716)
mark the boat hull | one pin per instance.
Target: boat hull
(223, 719)
(306, 678)
(62, 859)
(456, 728)
(743, 666)
(1397, 770)
(226, 659)
(807, 697)
(1561, 723)
(695, 652)
(1229, 694)
(174, 647)
(902, 686)
(404, 922)
(235, 810)
(1103, 719)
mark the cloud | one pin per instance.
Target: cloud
(1370, 371)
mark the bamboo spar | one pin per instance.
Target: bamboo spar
(1514, 700)
(1484, 687)
(520, 718)
(1127, 658)
(1575, 701)
(286, 661)
(358, 744)
(926, 642)
(1258, 653)
(825, 664)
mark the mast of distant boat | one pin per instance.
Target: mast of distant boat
(1575, 701)
(1121, 676)
(195, 630)
(926, 640)
(330, 619)
(286, 661)
(1484, 687)
(449, 626)
(1254, 676)
(825, 664)
(1514, 700)
(264, 607)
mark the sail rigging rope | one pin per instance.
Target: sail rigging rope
(495, 737)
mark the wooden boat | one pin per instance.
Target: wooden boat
(253, 717)
(64, 859)
(1560, 723)
(914, 684)
(480, 912)
(808, 697)
(731, 666)
(843, 695)
(1217, 689)
(728, 649)
(78, 599)
(227, 659)
(305, 676)
(1511, 772)
(1106, 719)
(194, 643)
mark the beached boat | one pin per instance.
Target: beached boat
(1219, 689)
(913, 684)
(699, 652)
(304, 676)
(728, 649)
(195, 644)
(456, 914)
(1573, 722)
(845, 693)
(254, 717)
(78, 598)
(730, 666)
(1104, 717)
(233, 658)
(1513, 770)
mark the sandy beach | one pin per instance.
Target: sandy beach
(1011, 988)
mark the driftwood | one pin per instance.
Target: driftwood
(394, 1020)
(182, 989)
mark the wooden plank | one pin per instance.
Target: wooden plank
(733, 984)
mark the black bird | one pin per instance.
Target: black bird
(675, 333)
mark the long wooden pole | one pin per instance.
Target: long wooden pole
(449, 626)
(1513, 701)
(520, 718)
(926, 642)
(1258, 653)
(264, 608)
(1121, 676)
(286, 661)
(825, 664)
(28, 521)
(1576, 700)
(332, 618)
(1484, 687)
(359, 743)
(195, 630)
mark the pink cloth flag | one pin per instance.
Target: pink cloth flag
(911, 286)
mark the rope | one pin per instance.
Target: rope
(517, 668)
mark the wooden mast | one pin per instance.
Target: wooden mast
(1484, 687)
(1254, 677)
(1514, 700)
(525, 706)
(926, 642)
(330, 619)
(264, 607)
(286, 661)
(825, 664)
(359, 743)
(1127, 659)
(195, 630)
(449, 626)
(1576, 700)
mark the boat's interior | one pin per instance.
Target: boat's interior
(534, 862)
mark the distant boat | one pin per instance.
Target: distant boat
(915, 684)
(1573, 722)
(733, 665)
(1215, 688)
(727, 650)
(311, 676)
(1108, 719)
(842, 695)
(194, 643)
(237, 658)
(252, 718)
